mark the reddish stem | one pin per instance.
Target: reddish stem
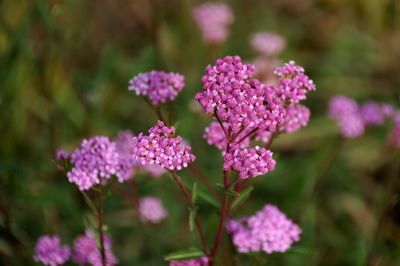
(192, 206)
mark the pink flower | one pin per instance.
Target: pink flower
(237, 100)
(49, 251)
(268, 43)
(213, 20)
(340, 106)
(95, 162)
(151, 210)
(157, 85)
(351, 126)
(296, 116)
(269, 230)
(162, 149)
(250, 162)
(371, 113)
(86, 250)
(293, 83)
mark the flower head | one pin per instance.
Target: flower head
(86, 250)
(193, 262)
(159, 86)
(249, 162)
(351, 126)
(95, 162)
(152, 210)
(341, 106)
(236, 99)
(49, 251)
(162, 149)
(371, 113)
(269, 230)
(268, 43)
(293, 83)
(297, 116)
(213, 20)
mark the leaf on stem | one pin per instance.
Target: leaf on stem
(191, 253)
(192, 216)
(89, 202)
(242, 197)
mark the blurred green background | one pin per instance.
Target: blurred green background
(64, 71)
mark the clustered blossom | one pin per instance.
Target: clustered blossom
(159, 86)
(49, 251)
(193, 262)
(249, 162)
(161, 148)
(213, 20)
(95, 162)
(371, 113)
(296, 116)
(352, 119)
(125, 147)
(86, 251)
(152, 210)
(214, 134)
(346, 112)
(293, 83)
(268, 43)
(236, 99)
(269, 230)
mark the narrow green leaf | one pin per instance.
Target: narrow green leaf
(192, 215)
(242, 197)
(191, 253)
(89, 202)
(232, 193)
(93, 229)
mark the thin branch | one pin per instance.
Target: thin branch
(192, 206)
(204, 179)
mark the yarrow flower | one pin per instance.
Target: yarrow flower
(152, 210)
(193, 262)
(293, 83)
(95, 162)
(269, 230)
(297, 116)
(249, 162)
(214, 134)
(86, 250)
(213, 20)
(161, 148)
(236, 99)
(159, 86)
(340, 106)
(371, 113)
(49, 251)
(346, 112)
(268, 43)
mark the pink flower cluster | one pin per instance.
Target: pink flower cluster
(214, 134)
(161, 148)
(49, 251)
(213, 20)
(241, 102)
(159, 86)
(268, 43)
(269, 230)
(293, 83)
(86, 250)
(152, 210)
(193, 262)
(353, 119)
(95, 162)
(297, 115)
(125, 147)
(249, 162)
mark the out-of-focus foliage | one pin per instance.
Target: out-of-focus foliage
(64, 71)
